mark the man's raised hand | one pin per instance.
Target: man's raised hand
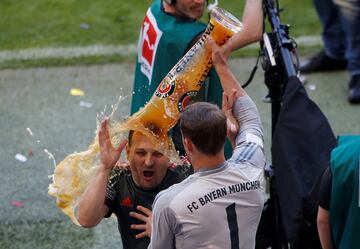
(108, 154)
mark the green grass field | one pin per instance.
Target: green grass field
(48, 23)
(66, 23)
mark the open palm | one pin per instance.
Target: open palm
(109, 155)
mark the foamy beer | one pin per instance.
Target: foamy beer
(73, 174)
(187, 77)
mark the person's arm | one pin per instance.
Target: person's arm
(91, 208)
(252, 28)
(231, 122)
(227, 79)
(323, 225)
(163, 225)
(243, 108)
(323, 222)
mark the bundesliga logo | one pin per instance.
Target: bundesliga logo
(149, 40)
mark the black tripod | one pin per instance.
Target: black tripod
(277, 62)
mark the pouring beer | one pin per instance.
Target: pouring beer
(159, 115)
(186, 78)
(182, 83)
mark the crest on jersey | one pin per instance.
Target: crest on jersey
(149, 38)
(185, 100)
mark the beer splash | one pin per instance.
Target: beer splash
(159, 115)
(42, 146)
(73, 174)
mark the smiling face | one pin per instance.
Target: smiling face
(148, 166)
